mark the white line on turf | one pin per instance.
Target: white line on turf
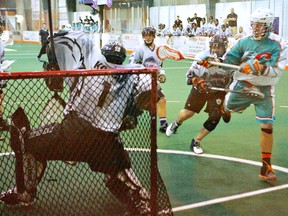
(228, 198)
(222, 199)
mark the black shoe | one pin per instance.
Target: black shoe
(163, 127)
(226, 116)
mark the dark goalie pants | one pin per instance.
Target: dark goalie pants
(77, 140)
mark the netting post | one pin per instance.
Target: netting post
(153, 113)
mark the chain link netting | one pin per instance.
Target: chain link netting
(70, 157)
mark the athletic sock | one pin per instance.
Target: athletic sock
(163, 121)
(266, 158)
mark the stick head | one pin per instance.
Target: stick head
(164, 52)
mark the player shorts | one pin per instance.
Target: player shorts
(196, 101)
(75, 139)
(264, 108)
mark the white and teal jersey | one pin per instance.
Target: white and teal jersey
(271, 51)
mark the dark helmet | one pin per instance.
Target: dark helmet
(114, 53)
(148, 30)
(218, 40)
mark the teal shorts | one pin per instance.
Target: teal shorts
(264, 108)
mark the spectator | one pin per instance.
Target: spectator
(224, 31)
(176, 30)
(217, 27)
(210, 26)
(204, 27)
(195, 30)
(196, 19)
(43, 34)
(241, 33)
(86, 20)
(91, 20)
(178, 22)
(188, 28)
(232, 21)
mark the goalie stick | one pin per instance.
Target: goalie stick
(164, 52)
(249, 91)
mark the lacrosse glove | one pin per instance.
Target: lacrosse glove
(201, 85)
(253, 67)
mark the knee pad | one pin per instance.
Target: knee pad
(267, 130)
(213, 120)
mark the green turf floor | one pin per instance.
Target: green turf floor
(208, 185)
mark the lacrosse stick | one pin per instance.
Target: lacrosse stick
(249, 91)
(164, 52)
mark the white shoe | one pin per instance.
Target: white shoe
(196, 147)
(172, 128)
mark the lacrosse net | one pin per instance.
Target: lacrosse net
(76, 190)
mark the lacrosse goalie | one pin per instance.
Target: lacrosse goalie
(202, 75)
(84, 134)
(262, 58)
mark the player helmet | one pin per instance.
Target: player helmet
(218, 45)
(261, 22)
(114, 53)
(148, 30)
(148, 34)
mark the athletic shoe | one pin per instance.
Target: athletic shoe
(172, 128)
(196, 147)
(226, 116)
(267, 173)
(12, 198)
(163, 127)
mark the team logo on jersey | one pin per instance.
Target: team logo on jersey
(218, 101)
(151, 62)
(263, 57)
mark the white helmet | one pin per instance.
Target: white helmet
(264, 16)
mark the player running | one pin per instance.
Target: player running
(262, 58)
(202, 75)
(146, 55)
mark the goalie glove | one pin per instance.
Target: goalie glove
(253, 67)
(161, 76)
(201, 85)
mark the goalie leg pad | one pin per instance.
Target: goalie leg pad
(28, 171)
(126, 187)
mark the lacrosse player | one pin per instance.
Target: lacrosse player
(89, 133)
(202, 75)
(262, 58)
(146, 55)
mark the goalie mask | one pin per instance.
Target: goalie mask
(114, 53)
(261, 23)
(218, 45)
(148, 34)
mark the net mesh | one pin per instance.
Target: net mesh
(82, 176)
